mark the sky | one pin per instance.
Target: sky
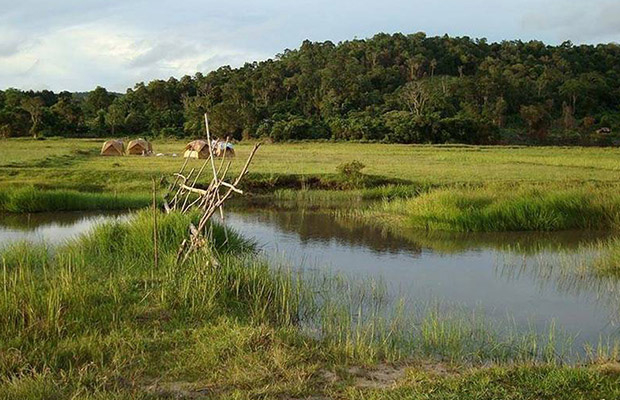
(77, 45)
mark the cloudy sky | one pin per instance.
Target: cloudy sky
(78, 44)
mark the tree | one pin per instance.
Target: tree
(34, 107)
(116, 115)
(415, 95)
(68, 114)
(536, 117)
(97, 100)
(586, 86)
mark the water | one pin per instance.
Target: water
(52, 228)
(516, 276)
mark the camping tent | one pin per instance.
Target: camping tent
(221, 148)
(139, 147)
(196, 149)
(112, 148)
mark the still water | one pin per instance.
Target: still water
(51, 228)
(527, 278)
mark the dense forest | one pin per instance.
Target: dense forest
(392, 88)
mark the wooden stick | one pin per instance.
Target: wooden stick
(215, 178)
(155, 252)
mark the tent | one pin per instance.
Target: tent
(221, 148)
(197, 149)
(113, 148)
(139, 147)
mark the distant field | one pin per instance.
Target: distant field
(76, 164)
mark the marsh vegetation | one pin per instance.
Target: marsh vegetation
(94, 318)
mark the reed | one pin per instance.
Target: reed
(29, 199)
(500, 208)
(608, 261)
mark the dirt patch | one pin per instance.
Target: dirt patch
(383, 376)
(180, 390)
(380, 377)
(610, 368)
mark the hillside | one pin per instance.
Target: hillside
(392, 88)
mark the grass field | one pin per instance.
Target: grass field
(460, 188)
(76, 164)
(96, 319)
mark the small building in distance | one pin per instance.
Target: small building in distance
(197, 149)
(139, 147)
(113, 147)
(221, 148)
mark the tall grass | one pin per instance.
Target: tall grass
(29, 199)
(608, 263)
(494, 209)
(96, 316)
(356, 319)
(98, 305)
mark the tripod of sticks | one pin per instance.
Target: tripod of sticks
(183, 195)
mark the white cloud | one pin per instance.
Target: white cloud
(78, 44)
(579, 20)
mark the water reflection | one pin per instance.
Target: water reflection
(535, 278)
(569, 273)
(324, 227)
(53, 228)
(526, 276)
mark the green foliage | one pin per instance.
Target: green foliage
(29, 199)
(496, 209)
(351, 169)
(394, 88)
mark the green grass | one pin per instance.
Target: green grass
(29, 200)
(531, 382)
(457, 188)
(95, 318)
(608, 263)
(75, 163)
(504, 208)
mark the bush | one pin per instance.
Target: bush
(351, 169)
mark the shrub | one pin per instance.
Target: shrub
(351, 169)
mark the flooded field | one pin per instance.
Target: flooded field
(527, 278)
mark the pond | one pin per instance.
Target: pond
(522, 277)
(517, 276)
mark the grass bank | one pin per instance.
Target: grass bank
(95, 318)
(30, 200)
(506, 208)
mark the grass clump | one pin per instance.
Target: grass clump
(96, 316)
(29, 199)
(494, 209)
(608, 262)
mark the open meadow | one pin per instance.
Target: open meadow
(76, 163)
(95, 317)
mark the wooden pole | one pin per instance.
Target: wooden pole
(155, 250)
(215, 177)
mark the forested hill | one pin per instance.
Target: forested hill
(394, 88)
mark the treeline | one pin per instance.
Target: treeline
(393, 88)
